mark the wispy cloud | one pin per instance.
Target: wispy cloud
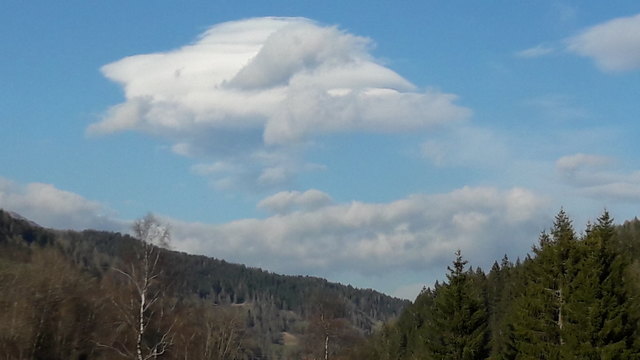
(614, 45)
(536, 51)
(267, 85)
(467, 146)
(287, 201)
(596, 176)
(558, 107)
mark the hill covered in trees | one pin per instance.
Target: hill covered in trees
(574, 297)
(102, 295)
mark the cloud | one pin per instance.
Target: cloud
(396, 246)
(419, 231)
(613, 45)
(558, 107)
(51, 207)
(467, 146)
(260, 170)
(597, 177)
(267, 85)
(535, 52)
(571, 163)
(287, 201)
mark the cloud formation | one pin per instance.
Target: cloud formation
(595, 176)
(416, 232)
(613, 45)
(267, 85)
(51, 207)
(309, 233)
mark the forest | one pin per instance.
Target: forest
(575, 296)
(100, 295)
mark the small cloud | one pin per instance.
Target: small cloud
(287, 201)
(613, 45)
(573, 163)
(595, 176)
(466, 146)
(51, 207)
(535, 52)
(564, 12)
(558, 106)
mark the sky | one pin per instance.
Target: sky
(363, 142)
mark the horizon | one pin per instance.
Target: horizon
(362, 143)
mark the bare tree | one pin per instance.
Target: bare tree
(144, 306)
(223, 335)
(328, 331)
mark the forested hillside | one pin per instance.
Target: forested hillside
(101, 295)
(576, 296)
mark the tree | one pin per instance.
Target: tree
(329, 331)
(458, 326)
(602, 322)
(48, 308)
(142, 312)
(224, 334)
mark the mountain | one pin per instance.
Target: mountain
(269, 316)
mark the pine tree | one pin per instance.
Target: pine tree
(458, 327)
(602, 322)
(539, 315)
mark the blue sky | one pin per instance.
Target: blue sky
(359, 141)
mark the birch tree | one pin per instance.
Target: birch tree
(143, 332)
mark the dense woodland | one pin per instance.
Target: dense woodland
(576, 296)
(99, 295)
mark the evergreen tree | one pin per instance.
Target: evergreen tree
(538, 316)
(458, 327)
(502, 286)
(602, 319)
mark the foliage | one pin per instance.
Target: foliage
(71, 295)
(574, 297)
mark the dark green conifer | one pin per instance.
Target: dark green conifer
(539, 315)
(602, 321)
(458, 327)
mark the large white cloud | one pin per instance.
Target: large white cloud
(614, 45)
(267, 85)
(413, 233)
(51, 207)
(381, 245)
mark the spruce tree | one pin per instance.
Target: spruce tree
(539, 315)
(458, 326)
(602, 319)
